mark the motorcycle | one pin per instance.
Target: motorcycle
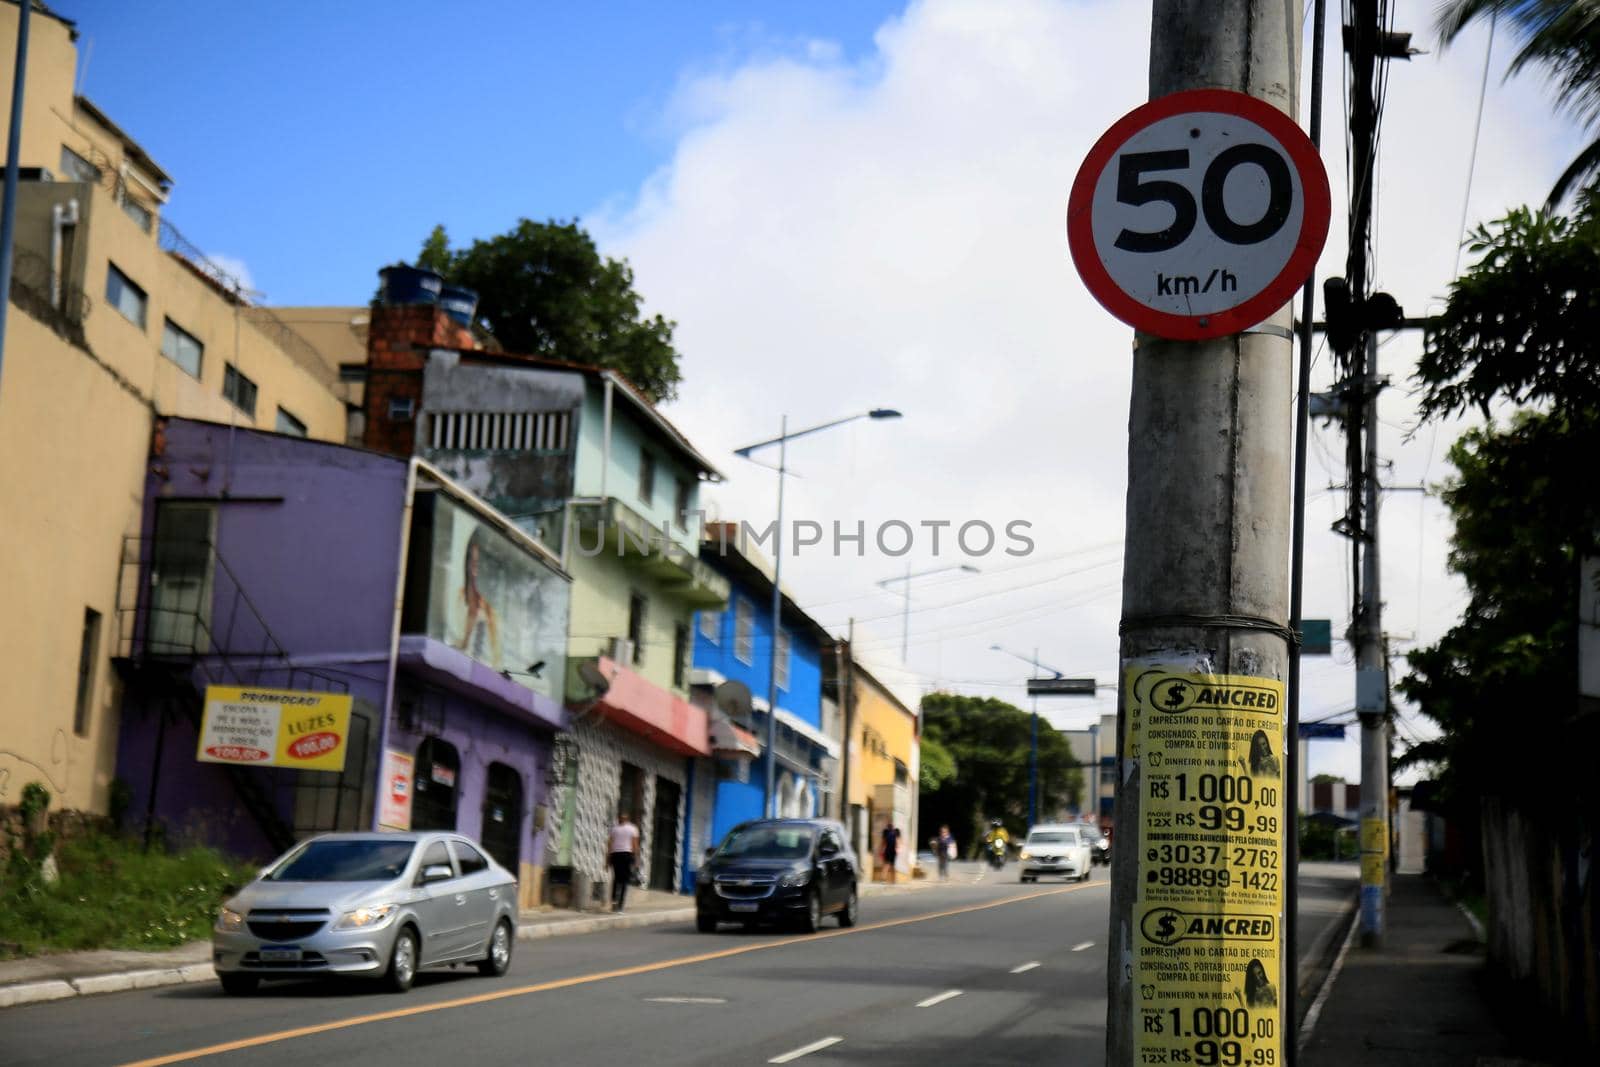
(996, 851)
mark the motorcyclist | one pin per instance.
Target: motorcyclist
(997, 835)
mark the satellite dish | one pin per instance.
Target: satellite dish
(590, 672)
(733, 700)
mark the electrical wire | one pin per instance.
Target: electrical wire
(1472, 161)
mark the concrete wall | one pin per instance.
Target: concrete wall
(601, 587)
(77, 437)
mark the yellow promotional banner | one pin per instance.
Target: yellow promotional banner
(1373, 868)
(275, 728)
(1208, 915)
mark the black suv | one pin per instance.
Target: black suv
(778, 870)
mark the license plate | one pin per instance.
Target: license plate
(280, 955)
(744, 907)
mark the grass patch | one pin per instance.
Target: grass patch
(112, 894)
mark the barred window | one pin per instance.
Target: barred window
(500, 431)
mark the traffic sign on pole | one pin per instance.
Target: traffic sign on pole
(1198, 214)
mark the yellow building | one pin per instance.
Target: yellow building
(884, 761)
(114, 322)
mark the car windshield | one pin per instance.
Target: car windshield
(768, 843)
(345, 861)
(1063, 837)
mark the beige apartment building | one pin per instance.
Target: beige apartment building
(115, 321)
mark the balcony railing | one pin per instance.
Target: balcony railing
(609, 527)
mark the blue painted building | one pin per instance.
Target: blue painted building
(737, 645)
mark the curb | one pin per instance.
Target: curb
(62, 988)
(1325, 947)
(566, 927)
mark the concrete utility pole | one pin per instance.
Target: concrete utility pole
(1205, 577)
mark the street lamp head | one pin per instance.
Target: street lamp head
(883, 413)
(969, 568)
(996, 648)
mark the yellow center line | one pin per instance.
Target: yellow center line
(583, 979)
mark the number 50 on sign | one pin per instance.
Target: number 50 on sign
(1199, 214)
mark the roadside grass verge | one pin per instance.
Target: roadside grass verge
(112, 894)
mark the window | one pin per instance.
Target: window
(288, 424)
(181, 346)
(831, 842)
(744, 631)
(680, 655)
(471, 859)
(647, 477)
(137, 212)
(86, 656)
(181, 579)
(436, 855)
(685, 502)
(125, 296)
(74, 168)
(402, 409)
(637, 606)
(711, 626)
(780, 648)
(503, 431)
(239, 389)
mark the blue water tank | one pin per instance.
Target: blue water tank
(410, 285)
(460, 304)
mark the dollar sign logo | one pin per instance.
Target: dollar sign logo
(1165, 926)
(1176, 694)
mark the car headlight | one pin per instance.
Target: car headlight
(796, 878)
(229, 921)
(1027, 855)
(365, 918)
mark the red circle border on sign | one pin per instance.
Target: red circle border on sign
(1302, 261)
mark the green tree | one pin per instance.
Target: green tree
(1502, 683)
(987, 740)
(937, 765)
(544, 289)
(1563, 38)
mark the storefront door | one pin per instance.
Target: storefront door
(433, 797)
(502, 816)
(664, 838)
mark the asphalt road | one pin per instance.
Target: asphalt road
(983, 971)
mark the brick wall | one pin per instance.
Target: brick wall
(398, 340)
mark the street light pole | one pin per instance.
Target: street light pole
(905, 615)
(769, 782)
(1033, 742)
(769, 786)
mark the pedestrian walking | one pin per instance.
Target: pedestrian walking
(890, 849)
(624, 851)
(944, 849)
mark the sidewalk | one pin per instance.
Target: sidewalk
(71, 974)
(1417, 1001)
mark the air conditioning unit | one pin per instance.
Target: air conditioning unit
(620, 650)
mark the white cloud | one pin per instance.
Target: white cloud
(236, 272)
(835, 233)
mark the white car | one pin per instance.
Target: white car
(1057, 851)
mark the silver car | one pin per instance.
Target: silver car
(379, 905)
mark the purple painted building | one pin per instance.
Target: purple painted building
(278, 562)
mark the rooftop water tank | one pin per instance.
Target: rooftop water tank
(410, 285)
(460, 304)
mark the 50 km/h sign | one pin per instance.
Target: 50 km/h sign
(1199, 214)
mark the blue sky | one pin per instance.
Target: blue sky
(318, 142)
(844, 205)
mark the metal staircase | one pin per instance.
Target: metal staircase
(201, 630)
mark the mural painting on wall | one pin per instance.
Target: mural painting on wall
(495, 600)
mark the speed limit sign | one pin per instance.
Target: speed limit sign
(1199, 214)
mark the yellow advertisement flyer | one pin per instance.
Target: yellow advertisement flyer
(1208, 916)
